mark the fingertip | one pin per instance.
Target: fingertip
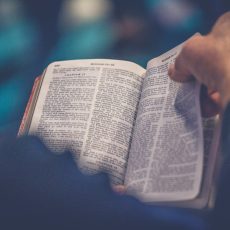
(171, 70)
(210, 104)
(119, 189)
(176, 75)
(179, 76)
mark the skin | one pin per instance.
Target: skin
(207, 59)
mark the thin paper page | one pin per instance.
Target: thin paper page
(211, 130)
(166, 156)
(88, 107)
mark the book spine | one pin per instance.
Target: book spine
(21, 130)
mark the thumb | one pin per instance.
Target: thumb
(178, 73)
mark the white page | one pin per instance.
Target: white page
(88, 107)
(166, 156)
(206, 197)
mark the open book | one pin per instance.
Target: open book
(145, 130)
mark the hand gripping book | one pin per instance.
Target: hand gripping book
(142, 128)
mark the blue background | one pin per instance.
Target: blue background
(34, 33)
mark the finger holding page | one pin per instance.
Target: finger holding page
(209, 102)
(119, 189)
(182, 69)
(207, 59)
(178, 71)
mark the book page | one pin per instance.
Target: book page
(166, 156)
(88, 107)
(212, 157)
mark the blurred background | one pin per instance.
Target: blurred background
(34, 33)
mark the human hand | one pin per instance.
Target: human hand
(209, 102)
(206, 58)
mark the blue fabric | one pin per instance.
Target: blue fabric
(220, 218)
(40, 190)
